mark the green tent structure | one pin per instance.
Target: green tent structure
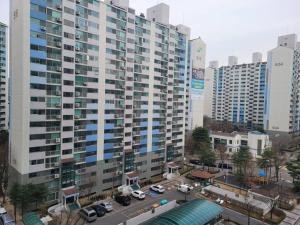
(32, 219)
(195, 212)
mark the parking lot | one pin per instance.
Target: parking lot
(123, 213)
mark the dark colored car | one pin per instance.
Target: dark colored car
(225, 166)
(100, 211)
(123, 200)
(195, 161)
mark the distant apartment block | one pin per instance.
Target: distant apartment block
(102, 92)
(3, 77)
(239, 92)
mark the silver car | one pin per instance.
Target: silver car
(88, 214)
(107, 205)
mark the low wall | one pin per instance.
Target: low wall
(151, 214)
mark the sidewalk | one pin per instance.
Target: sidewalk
(292, 217)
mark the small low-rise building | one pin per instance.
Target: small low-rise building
(257, 142)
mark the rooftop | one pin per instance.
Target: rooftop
(195, 212)
(202, 174)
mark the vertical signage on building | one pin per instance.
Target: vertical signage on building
(197, 83)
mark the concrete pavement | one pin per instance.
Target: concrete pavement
(292, 217)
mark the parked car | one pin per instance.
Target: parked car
(2, 210)
(225, 166)
(107, 205)
(100, 211)
(6, 219)
(88, 213)
(123, 200)
(157, 188)
(185, 188)
(138, 194)
(195, 161)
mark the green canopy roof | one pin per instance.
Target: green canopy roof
(196, 212)
(32, 219)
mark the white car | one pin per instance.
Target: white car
(185, 188)
(157, 188)
(107, 205)
(138, 194)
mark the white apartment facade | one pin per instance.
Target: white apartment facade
(282, 108)
(195, 84)
(256, 142)
(3, 76)
(102, 92)
(239, 93)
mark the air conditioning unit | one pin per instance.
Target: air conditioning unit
(77, 36)
(84, 84)
(77, 116)
(123, 58)
(77, 182)
(43, 28)
(58, 44)
(58, 93)
(58, 7)
(77, 60)
(77, 13)
(77, 105)
(76, 128)
(56, 176)
(78, 1)
(77, 48)
(57, 140)
(58, 69)
(77, 71)
(58, 117)
(58, 20)
(77, 94)
(56, 164)
(77, 25)
(76, 139)
(58, 105)
(122, 68)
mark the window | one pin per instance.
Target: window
(68, 35)
(67, 140)
(68, 59)
(69, 47)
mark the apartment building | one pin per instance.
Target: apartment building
(239, 93)
(102, 92)
(195, 84)
(3, 77)
(282, 107)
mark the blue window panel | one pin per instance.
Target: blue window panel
(154, 148)
(91, 127)
(39, 2)
(156, 106)
(90, 159)
(155, 131)
(143, 132)
(108, 155)
(155, 123)
(91, 148)
(35, 27)
(38, 67)
(144, 124)
(109, 126)
(92, 106)
(143, 141)
(156, 115)
(38, 15)
(108, 146)
(109, 116)
(38, 41)
(38, 54)
(91, 137)
(143, 150)
(108, 136)
(38, 80)
(92, 116)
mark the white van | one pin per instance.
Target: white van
(185, 188)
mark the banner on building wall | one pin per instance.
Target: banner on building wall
(197, 81)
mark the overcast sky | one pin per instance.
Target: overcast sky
(229, 27)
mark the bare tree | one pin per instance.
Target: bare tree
(221, 153)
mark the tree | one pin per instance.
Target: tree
(221, 150)
(266, 161)
(201, 135)
(3, 163)
(39, 193)
(15, 196)
(294, 170)
(208, 157)
(241, 159)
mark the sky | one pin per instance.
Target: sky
(228, 27)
